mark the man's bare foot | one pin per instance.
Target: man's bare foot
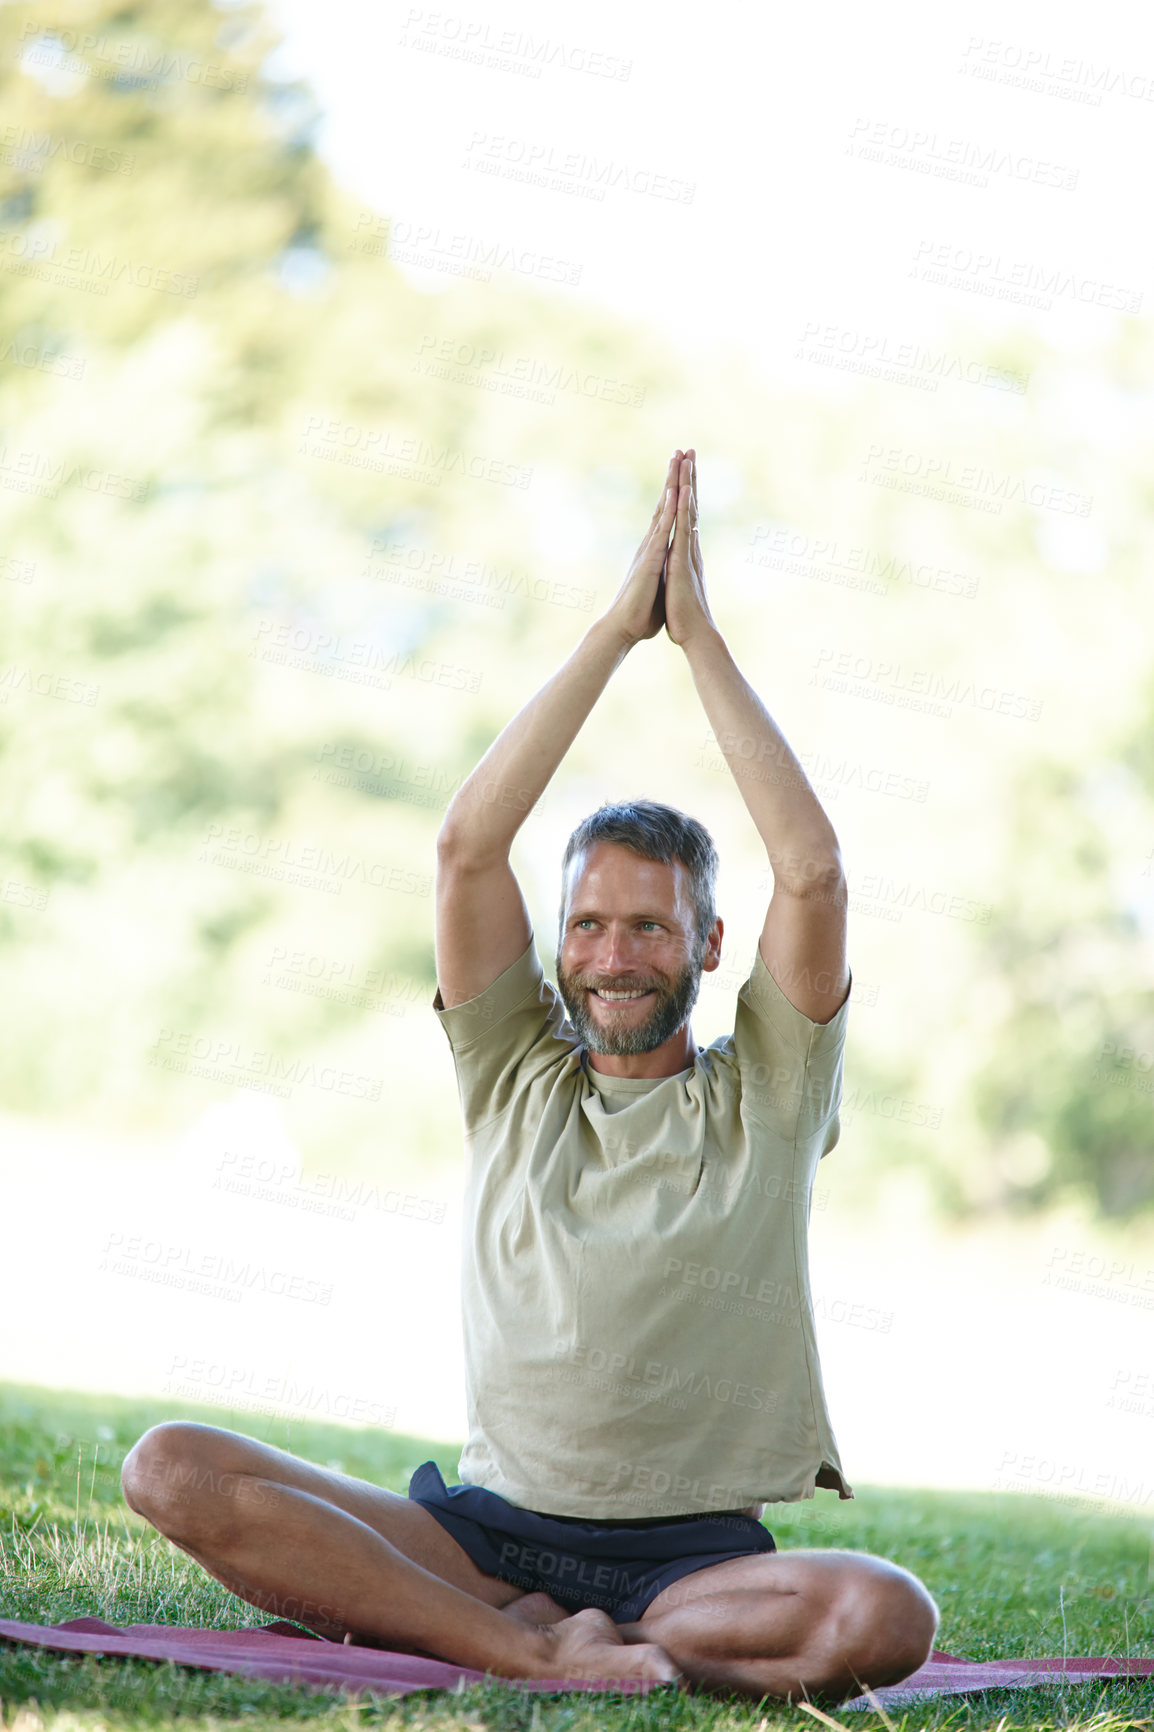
(535, 1610)
(589, 1647)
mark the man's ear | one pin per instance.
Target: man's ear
(712, 957)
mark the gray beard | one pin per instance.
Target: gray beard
(672, 1009)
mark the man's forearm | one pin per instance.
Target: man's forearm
(799, 838)
(490, 807)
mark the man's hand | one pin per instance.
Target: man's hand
(687, 612)
(638, 609)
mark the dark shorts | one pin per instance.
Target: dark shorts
(620, 1567)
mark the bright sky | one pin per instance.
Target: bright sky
(762, 168)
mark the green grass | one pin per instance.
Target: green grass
(1014, 1576)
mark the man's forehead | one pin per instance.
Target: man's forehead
(605, 865)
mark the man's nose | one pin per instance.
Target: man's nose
(616, 954)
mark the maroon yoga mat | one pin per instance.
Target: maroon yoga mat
(280, 1652)
(286, 1654)
(947, 1675)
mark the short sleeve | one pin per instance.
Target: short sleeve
(790, 1066)
(506, 1036)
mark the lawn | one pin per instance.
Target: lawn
(1014, 1576)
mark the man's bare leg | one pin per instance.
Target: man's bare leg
(341, 1556)
(795, 1623)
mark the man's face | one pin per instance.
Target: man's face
(630, 961)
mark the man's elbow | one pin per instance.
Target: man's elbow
(463, 847)
(456, 849)
(450, 841)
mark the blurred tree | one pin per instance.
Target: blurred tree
(1066, 1096)
(204, 366)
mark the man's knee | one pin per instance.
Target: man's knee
(882, 1625)
(177, 1477)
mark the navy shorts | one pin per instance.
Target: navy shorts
(620, 1567)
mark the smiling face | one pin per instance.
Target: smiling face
(630, 961)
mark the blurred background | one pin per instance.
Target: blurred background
(342, 351)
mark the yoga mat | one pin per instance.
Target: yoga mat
(280, 1652)
(286, 1654)
(947, 1675)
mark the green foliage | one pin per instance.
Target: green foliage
(194, 287)
(1066, 1093)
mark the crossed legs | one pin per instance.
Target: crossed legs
(350, 1560)
(822, 1624)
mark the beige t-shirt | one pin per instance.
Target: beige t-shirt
(639, 1336)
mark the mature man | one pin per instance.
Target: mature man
(641, 1363)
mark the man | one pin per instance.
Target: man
(641, 1364)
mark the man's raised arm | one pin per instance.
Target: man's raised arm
(482, 921)
(803, 941)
